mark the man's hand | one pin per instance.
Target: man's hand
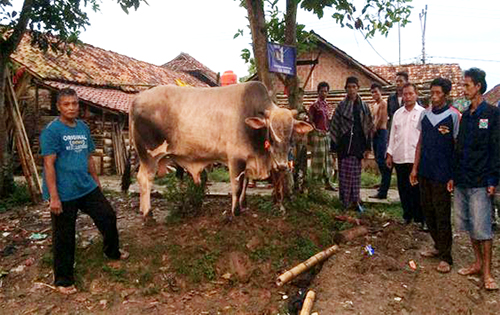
(388, 160)
(413, 177)
(55, 206)
(449, 186)
(491, 190)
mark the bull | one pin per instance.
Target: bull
(237, 125)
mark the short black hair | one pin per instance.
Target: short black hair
(66, 92)
(376, 86)
(351, 80)
(322, 85)
(415, 88)
(403, 74)
(477, 76)
(444, 83)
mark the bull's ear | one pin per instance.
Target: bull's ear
(301, 127)
(256, 122)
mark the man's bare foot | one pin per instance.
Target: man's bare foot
(471, 270)
(443, 267)
(124, 254)
(490, 284)
(67, 290)
(429, 253)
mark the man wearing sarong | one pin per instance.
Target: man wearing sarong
(350, 130)
(321, 162)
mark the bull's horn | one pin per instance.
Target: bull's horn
(267, 113)
(294, 112)
(275, 136)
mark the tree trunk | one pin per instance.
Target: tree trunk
(257, 21)
(3, 128)
(292, 82)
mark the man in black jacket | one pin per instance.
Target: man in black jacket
(476, 174)
(395, 100)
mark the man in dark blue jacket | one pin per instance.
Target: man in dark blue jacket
(433, 164)
(476, 173)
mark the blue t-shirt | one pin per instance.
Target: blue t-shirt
(439, 129)
(72, 145)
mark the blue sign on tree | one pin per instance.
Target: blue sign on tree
(281, 58)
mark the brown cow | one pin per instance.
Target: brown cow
(237, 125)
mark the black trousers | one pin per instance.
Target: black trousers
(436, 204)
(408, 194)
(63, 233)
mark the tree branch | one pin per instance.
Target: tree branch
(11, 43)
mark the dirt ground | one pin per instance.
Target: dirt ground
(234, 272)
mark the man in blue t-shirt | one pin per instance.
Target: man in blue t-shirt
(70, 183)
(438, 127)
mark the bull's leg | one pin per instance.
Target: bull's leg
(236, 174)
(242, 197)
(145, 179)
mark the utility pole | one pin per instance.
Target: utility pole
(423, 16)
(399, 39)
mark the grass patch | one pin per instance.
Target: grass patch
(20, 196)
(369, 179)
(194, 262)
(219, 174)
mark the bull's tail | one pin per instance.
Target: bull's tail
(126, 181)
(126, 177)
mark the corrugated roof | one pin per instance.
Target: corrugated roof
(493, 95)
(93, 66)
(186, 63)
(425, 73)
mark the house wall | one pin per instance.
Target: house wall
(35, 122)
(331, 68)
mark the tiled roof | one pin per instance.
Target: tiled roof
(93, 66)
(425, 73)
(184, 62)
(493, 95)
(109, 98)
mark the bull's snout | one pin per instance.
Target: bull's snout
(280, 165)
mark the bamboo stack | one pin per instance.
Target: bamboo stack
(23, 146)
(119, 149)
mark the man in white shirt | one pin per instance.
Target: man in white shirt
(403, 141)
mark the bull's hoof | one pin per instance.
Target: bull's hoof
(228, 219)
(148, 220)
(282, 210)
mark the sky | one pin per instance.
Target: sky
(457, 31)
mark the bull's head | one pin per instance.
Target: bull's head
(280, 124)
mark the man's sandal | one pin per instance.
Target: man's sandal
(429, 253)
(471, 270)
(490, 284)
(443, 267)
(67, 290)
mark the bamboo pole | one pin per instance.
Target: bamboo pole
(306, 265)
(24, 149)
(308, 303)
